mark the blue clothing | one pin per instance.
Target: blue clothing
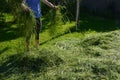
(35, 6)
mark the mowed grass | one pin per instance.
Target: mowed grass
(91, 54)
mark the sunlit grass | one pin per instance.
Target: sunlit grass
(65, 55)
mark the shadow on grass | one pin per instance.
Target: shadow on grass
(3, 50)
(28, 62)
(98, 24)
(52, 38)
(7, 32)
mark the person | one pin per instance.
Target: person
(34, 5)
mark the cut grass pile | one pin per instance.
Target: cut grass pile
(89, 56)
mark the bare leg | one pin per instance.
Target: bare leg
(37, 43)
(28, 42)
(37, 31)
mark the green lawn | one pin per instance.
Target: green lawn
(92, 53)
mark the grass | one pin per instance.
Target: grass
(92, 54)
(99, 24)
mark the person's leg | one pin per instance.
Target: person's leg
(28, 42)
(28, 36)
(37, 31)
